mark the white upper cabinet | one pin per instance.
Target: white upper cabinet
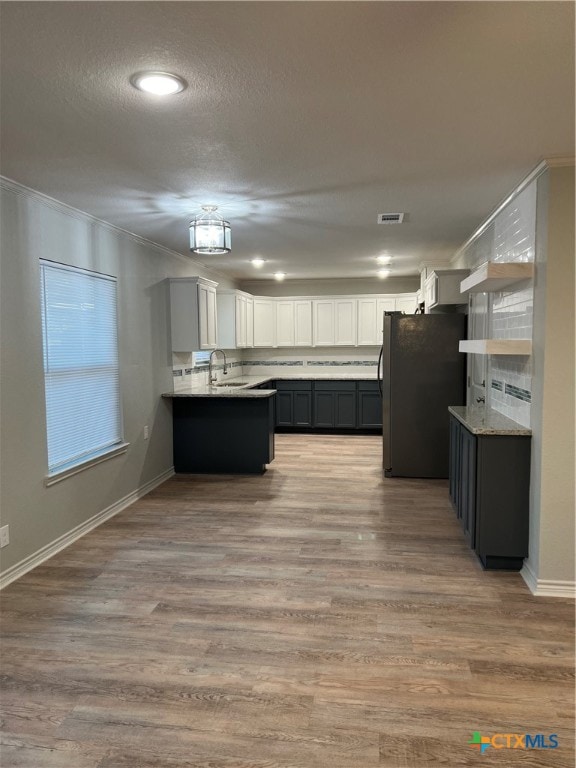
(371, 315)
(407, 303)
(250, 322)
(285, 323)
(331, 321)
(264, 322)
(323, 334)
(235, 329)
(192, 314)
(442, 288)
(302, 322)
(367, 322)
(345, 322)
(334, 322)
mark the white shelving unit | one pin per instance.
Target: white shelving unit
(494, 276)
(496, 346)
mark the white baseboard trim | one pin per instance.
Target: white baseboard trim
(547, 587)
(45, 553)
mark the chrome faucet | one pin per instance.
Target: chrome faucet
(212, 377)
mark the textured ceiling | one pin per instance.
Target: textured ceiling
(302, 120)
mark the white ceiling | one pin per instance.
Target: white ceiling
(302, 120)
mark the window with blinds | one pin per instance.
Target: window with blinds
(201, 358)
(81, 371)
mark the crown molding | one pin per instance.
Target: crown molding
(68, 210)
(543, 165)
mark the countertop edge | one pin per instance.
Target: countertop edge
(486, 421)
(239, 394)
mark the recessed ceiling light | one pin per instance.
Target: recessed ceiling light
(279, 275)
(257, 263)
(383, 273)
(384, 259)
(158, 83)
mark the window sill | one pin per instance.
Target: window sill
(57, 477)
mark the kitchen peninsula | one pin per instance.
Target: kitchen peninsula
(223, 429)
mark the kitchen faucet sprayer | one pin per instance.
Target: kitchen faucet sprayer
(212, 377)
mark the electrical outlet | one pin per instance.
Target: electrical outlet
(146, 433)
(4, 535)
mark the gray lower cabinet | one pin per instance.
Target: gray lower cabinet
(489, 487)
(369, 405)
(293, 403)
(335, 404)
(324, 404)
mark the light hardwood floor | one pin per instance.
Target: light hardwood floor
(319, 615)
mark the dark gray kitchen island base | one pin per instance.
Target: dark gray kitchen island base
(223, 435)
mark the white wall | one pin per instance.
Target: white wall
(551, 563)
(33, 227)
(538, 225)
(332, 287)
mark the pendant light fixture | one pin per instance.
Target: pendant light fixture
(209, 233)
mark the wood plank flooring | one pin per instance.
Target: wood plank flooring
(319, 615)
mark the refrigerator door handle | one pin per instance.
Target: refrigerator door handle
(380, 372)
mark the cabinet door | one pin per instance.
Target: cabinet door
(369, 410)
(454, 465)
(284, 409)
(249, 322)
(303, 323)
(240, 305)
(345, 410)
(368, 322)
(207, 316)
(383, 305)
(430, 292)
(302, 409)
(323, 323)
(468, 485)
(264, 323)
(345, 322)
(324, 409)
(406, 304)
(212, 320)
(284, 323)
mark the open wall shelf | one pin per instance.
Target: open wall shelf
(496, 346)
(494, 276)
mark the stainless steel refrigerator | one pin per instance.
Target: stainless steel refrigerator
(421, 372)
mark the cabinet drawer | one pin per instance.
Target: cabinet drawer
(368, 386)
(335, 386)
(293, 386)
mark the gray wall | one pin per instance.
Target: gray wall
(552, 534)
(334, 287)
(34, 227)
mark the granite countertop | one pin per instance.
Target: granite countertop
(254, 381)
(242, 392)
(485, 421)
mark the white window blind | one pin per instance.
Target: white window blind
(201, 358)
(80, 339)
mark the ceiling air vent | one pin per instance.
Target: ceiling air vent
(390, 218)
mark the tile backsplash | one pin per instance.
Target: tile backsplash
(275, 362)
(510, 238)
(311, 360)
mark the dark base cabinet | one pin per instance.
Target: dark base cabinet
(489, 488)
(369, 405)
(335, 404)
(223, 435)
(293, 403)
(324, 406)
